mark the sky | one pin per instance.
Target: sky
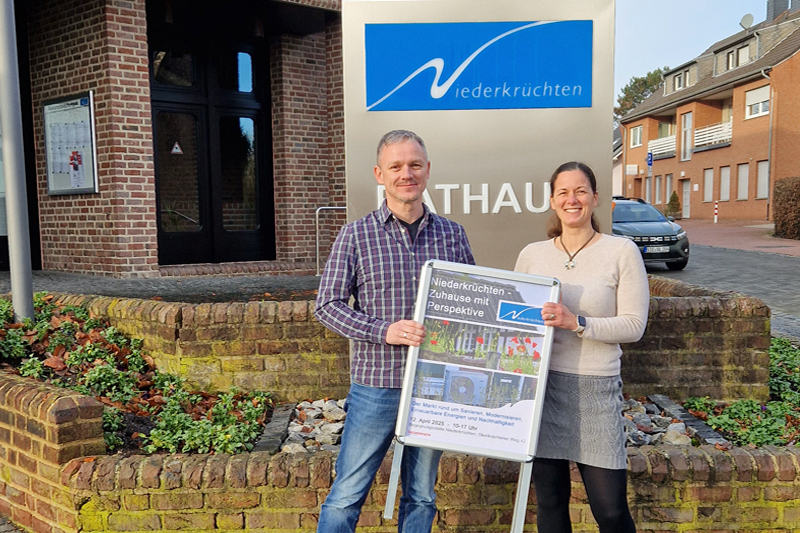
(651, 34)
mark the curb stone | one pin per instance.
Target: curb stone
(276, 430)
(694, 426)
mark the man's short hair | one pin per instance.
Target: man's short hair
(398, 136)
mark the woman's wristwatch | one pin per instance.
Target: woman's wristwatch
(581, 325)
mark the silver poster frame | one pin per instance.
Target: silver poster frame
(74, 112)
(548, 286)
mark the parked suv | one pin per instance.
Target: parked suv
(658, 237)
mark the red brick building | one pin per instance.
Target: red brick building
(724, 126)
(219, 132)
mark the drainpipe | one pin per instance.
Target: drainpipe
(624, 159)
(19, 241)
(769, 143)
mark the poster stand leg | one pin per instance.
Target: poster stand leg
(521, 502)
(394, 479)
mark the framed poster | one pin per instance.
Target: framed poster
(477, 382)
(70, 147)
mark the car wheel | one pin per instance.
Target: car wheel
(678, 265)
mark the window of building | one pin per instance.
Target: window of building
(677, 82)
(742, 181)
(757, 102)
(668, 186)
(658, 190)
(762, 180)
(665, 129)
(742, 56)
(708, 185)
(727, 110)
(636, 136)
(724, 184)
(686, 137)
(648, 189)
(738, 57)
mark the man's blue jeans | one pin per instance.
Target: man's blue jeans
(368, 432)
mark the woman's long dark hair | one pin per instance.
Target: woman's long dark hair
(554, 228)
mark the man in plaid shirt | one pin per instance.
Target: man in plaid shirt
(377, 260)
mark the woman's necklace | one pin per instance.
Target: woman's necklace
(569, 264)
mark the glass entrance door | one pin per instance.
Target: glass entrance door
(213, 142)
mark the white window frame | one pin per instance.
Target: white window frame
(730, 61)
(648, 189)
(742, 181)
(708, 185)
(677, 82)
(636, 136)
(724, 184)
(686, 136)
(762, 180)
(757, 102)
(658, 191)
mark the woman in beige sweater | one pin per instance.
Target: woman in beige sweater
(605, 300)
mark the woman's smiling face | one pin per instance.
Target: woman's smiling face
(573, 199)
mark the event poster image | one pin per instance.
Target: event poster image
(477, 371)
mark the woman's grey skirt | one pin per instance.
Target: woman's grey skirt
(582, 420)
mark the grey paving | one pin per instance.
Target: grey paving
(773, 278)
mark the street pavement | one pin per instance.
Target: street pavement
(744, 257)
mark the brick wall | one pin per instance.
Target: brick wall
(300, 141)
(670, 489)
(76, 489)
(270, 346)
(41, 429)
(697, 342)
(700, 342)
(786, 121)
(75, 46)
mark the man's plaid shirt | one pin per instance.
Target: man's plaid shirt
(374, 261)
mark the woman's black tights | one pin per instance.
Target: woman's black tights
(606, 489)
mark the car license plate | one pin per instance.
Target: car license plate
(656, 249)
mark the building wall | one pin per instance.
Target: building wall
(786, 122)
(100, 45)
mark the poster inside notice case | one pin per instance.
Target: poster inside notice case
(477, 382)
(70, 145)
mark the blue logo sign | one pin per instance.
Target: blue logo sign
(519, 313)
(479, 65)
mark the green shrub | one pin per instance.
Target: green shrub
(746, 422)
(674, 206)
(64, 346)
(786, 208)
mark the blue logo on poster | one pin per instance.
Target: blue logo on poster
(519, 313)
(479, 65)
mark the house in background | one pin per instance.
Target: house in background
(724, 126)
(616, 163)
